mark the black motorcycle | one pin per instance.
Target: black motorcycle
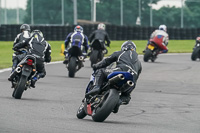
(22, 75)
(76, 59)
(151, 52)
(100, 106)
(97, 51)
(196, 52)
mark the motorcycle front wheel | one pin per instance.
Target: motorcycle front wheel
(81, 112)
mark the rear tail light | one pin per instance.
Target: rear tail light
(30, 62)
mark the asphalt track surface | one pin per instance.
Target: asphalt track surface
(166, 100)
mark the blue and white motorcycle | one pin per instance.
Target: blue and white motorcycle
(100, 106)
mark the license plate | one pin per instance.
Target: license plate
(150, 47)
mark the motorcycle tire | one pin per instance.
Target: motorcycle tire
(195, 53)
(101, 55)
(147, 55)
(94, 57)
(72, 67)
(108, 104)
(81, 112)
(18, 91)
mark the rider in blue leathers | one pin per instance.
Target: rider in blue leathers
(75, 38)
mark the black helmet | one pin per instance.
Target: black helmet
(25, 27)
(128, 45)
(38, 32)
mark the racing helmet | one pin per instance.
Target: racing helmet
(163, 27)
(198, 40)
(38, 32)
(78, 28)
(101, 26)
(25, 27)
(128, 45)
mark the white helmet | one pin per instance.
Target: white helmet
(163, 27)
(101, 26)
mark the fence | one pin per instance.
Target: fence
(9, 32)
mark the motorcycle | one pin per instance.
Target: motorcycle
(22, 75)
(151, 52)
(97, 51)
(76, 59)
(196, 50)
(101, 105)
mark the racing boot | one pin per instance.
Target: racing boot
(97, 83)
(33, 81)
(125, 99)
(65, 61)
(14, 65)
(95, 90)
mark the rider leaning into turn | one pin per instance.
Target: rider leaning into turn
(41, 49)
(19, 54)
(100, 34)
(161, 38)
(76, 37)
(126, 60)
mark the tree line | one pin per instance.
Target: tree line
(49, 12)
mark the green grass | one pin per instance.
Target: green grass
(175, 46)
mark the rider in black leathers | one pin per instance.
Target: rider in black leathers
(39, 48)
(126, 60)
(100, 34)
(18, 55)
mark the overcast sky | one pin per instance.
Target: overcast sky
(22, 3)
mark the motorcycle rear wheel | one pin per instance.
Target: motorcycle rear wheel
(94, 57)
(109, 102)
(72, 67)
(195, 53)
(147, 55)
(18, 91)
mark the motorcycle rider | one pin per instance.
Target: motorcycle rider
(197, 40)
(18, 55)
(101, 35)
(76, 37)
(161, 38)
(126, 60)
(41, 49)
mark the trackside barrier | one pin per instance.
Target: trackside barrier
(9, 32)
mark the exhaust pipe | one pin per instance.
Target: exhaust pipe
(116, 79)
(81, 58)
(129, 84)
(18, 69)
